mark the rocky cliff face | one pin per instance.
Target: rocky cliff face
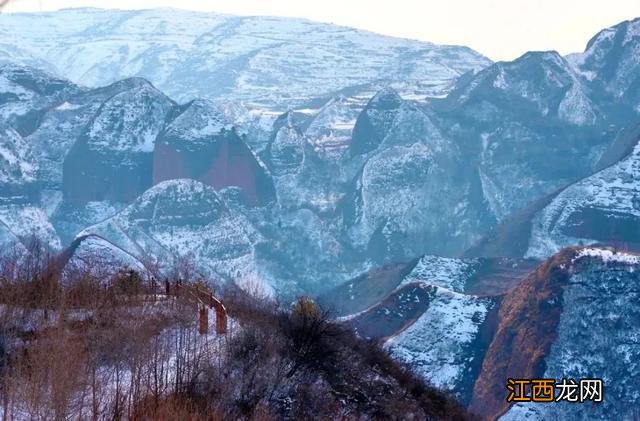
(610, 65)
(202, 145)
(575, 317)
(114, 153)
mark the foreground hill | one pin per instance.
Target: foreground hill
(117, 346)
(436, 314)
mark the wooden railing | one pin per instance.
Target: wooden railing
(205, 300)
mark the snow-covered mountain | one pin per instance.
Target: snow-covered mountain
(511, 134)
(533, 126)
(181, 220)
(352, 181)
(305, 158)
(267, 61)
(610, 63)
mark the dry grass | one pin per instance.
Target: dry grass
(97, 348)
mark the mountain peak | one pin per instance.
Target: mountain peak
(198, 122)
(177, 201)
(387, 98)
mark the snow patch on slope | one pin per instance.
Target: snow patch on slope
(606, 256)
(445, 272)
(435, 345)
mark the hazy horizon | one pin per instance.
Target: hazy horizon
(499, 29)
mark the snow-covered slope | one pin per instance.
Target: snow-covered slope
(604, 207)
(268, 61)
(17, 166)
(611, 65)
(443, 345)
(182, 222)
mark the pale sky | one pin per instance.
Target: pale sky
(500, 29)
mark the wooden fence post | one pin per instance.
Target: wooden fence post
(204, 320)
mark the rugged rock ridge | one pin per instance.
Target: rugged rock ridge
(436, 314)
(576, 316)
(285, 150)
(610, 64)
(25, 93)
(535, 85)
